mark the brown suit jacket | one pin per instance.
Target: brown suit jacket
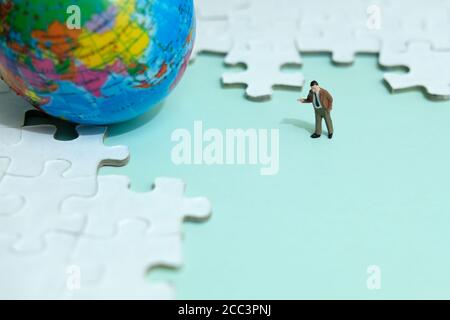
(326, 100)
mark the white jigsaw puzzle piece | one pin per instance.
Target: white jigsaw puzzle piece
(125, 260)
(212, 36)
(39, 275)
(428, 68)
(86, 153)
(219, 9)
(344, 29)
(424, 21)
(264, 62)
(40, 210)
(338, 29)
(254, 36)
(165, 207)
(10, 204)
(4, 164)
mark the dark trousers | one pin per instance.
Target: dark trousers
(323, 113)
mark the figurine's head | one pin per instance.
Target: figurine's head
(315, 86)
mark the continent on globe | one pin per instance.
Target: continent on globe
(125, 58)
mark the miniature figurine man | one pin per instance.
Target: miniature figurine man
(323, 104)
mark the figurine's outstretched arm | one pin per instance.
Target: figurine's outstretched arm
(309, 99)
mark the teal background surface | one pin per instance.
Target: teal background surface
(377, 194)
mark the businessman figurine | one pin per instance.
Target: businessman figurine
(323, 104)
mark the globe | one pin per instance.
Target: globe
(95, 61)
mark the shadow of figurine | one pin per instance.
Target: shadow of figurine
(301, 124)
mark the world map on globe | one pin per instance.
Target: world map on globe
(125, 56)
